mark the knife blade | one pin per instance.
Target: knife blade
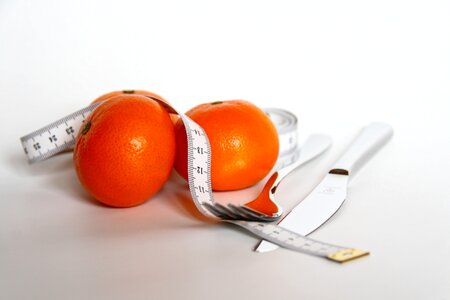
(329, 195)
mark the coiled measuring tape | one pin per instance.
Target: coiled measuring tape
(61, 134)
(286, 124)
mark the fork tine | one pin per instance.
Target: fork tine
(242, 214)
(251, 212)
(277, 214)
(212, 209)
(261, 215)
(226, 211)
(233, 212)
(255, 215)
(248, 215)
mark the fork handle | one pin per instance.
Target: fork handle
(366, 144)
(315, 145)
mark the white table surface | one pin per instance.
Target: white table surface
(336, 64)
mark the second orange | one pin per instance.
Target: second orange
(244, 143)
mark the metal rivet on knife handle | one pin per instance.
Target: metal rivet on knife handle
(339, 172)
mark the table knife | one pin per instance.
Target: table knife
(328, 196)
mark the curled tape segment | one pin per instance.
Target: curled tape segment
(286, 124)
(60, 135)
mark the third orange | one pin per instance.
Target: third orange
(114, 94)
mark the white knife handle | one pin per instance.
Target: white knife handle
(367, 143)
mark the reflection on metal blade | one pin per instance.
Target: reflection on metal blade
(315, 209)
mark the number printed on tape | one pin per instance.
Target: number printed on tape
(55, 137)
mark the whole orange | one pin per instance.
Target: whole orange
(111, 95)
(125, 151)
(244, 143)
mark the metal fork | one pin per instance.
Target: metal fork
(264, 208)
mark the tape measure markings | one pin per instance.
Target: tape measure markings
(200, 183)
(54, 138)
(293, 241)
(286, 125)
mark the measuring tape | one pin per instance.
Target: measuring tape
(286, 125)
(55, 137)
(60, 135)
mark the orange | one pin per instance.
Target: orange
(113, 94)
(244, 143)
(125, 151)
(127, 92)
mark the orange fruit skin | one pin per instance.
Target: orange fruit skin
(125, 151)
(127, 92)
(244, 143)
(113, 94)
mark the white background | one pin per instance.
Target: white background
(336, 64)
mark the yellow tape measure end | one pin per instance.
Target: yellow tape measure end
(348, 254)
